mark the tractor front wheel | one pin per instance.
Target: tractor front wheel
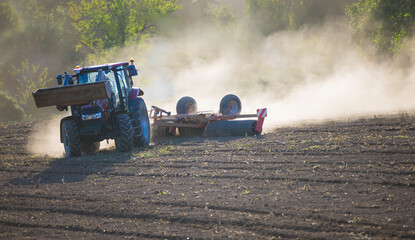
(124, 141)
(71, 138)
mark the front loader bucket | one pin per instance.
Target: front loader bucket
(79, 94)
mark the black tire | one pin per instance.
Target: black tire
(124, 141)
(230, 105)
(89, 147)
(186, 105)
(141, 124)
(71, 138)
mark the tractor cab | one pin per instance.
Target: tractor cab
(118, 74)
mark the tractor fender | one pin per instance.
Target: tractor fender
(60, 128)
(134, 94)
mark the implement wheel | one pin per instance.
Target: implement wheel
(230, 105)
(124, 142)
(71, 138)
(186, 105)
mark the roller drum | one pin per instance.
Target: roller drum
(231, 128)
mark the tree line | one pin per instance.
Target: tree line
(39, 38)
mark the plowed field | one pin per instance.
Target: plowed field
(333, 180)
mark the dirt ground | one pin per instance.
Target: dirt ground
(333, 180)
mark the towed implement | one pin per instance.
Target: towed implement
(189, 122)
(104, 105)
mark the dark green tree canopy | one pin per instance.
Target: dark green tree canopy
(103, 24)
(275, 15)
(383, 24)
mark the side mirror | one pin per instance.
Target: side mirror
(59, 79)
(132, 71)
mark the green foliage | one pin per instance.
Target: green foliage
(104, 24)
(8, 17)
(224, 15)
(211, 11)
(41, 37)
(9, 109)
(41, 40)
(386, 25)
(275, 15)
(29, 78)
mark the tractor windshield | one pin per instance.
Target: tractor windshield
(119, 90)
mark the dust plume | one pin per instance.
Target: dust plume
(313, 73)
(45, 139)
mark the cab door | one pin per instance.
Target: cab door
(123, 85)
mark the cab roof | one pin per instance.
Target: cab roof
(95, 68)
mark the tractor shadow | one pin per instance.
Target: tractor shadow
(76, 169)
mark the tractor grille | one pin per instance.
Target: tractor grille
(95, 120)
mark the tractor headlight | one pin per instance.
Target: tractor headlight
(92, 116)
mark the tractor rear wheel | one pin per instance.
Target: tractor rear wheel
(230, 105)
(124, 142)
(89, 147)
(141, 124)
(71, 138)
(186, 105)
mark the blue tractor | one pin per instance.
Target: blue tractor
(104, 105)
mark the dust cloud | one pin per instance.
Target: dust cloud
(314, 73)
(45, 139)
